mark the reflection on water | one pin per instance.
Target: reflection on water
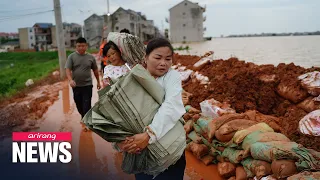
(94, 156)
(66, 97)
(302, 50)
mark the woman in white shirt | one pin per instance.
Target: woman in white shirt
(158, 59)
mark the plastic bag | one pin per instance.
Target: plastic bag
(311, 82)
(199, 77)
(270, 177)
(310, 124)
(202, 61)
(213, 108)
(185, 74)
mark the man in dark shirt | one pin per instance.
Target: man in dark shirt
(78, 70)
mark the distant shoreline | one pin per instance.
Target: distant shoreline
(275, 34)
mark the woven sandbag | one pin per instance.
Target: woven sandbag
(224, 137)
(256, 168)
(195, 137)
(234, 156)
(235, 125)
(216, 123)
(207, 160)
(283, 168)
(188, 127)
(240, 135)
(241, 173)
(132, 49)
(277, 150)
(226, 169)
(259, 136)
(305, 176)
(199, 150)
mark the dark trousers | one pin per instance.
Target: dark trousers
(102, 67)
(174, 172)
(82, 97)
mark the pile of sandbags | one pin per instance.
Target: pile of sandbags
(246, 145)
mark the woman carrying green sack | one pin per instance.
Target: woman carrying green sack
(158, 61)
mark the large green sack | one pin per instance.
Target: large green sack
(259, 136)
(195, 137)
(277, 150)
(234, 156)
(197, 129)
(305, 176)
(203, 123)
(240, 135)
(206, 142)
(124, 109)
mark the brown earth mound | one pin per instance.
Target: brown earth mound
(247, 86)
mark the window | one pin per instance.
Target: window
(30, 30)
(184, 25)
(116, 18)
(31, 37)
(32, 45)
(184, 37)
(183, 13)
(185, 4)
(117, 28)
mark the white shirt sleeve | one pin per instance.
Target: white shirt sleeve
(171, 109)
(106, 72)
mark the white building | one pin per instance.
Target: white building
(72, 32)
(186, 22)
(135, 22)
(27, 38)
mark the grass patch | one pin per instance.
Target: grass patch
(181, 48)
(93, 51)
(17, 67)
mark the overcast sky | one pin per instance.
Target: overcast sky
(224, 17)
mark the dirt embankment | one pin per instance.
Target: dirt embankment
(247, 86)
(21, 112)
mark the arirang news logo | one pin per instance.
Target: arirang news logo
(41, 147)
